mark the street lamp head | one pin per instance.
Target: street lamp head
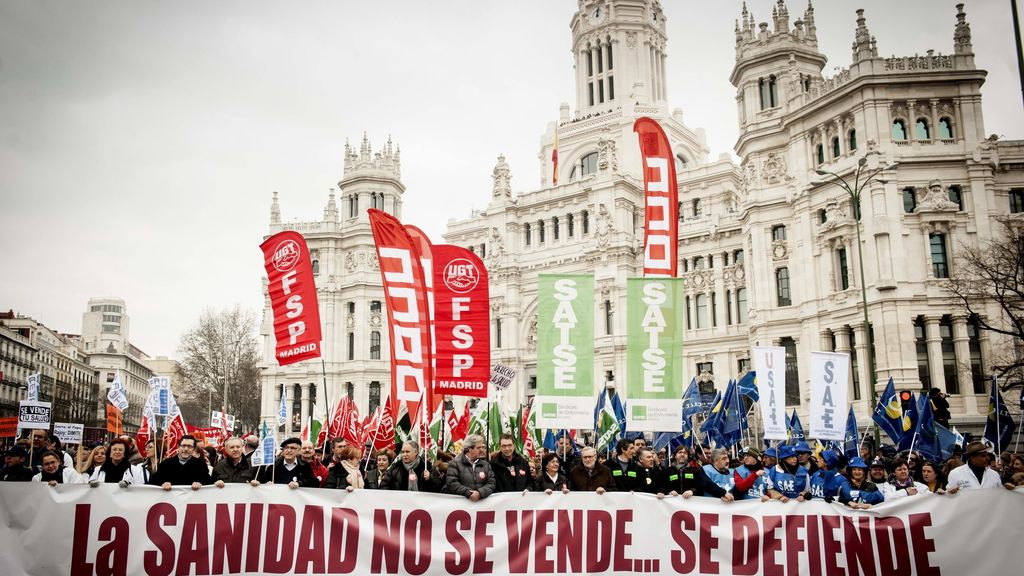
(882, 180)
(820, 172)
(862, 162)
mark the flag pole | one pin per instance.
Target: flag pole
(327, 404)
(1020, 429)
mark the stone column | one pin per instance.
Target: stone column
(826, 339)
(963, 364)
(934, 102)
(860, 337)
(926, 230)
(958, 127)
(912, 120)
(304, 410)
(839, 135)
(934, 342)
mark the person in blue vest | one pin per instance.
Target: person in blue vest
(827, 481)
(789, 478)
(805, 455)
(770, 458)
(859, 492)
(718, 470)
(750, 478)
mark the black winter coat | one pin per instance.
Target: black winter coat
(511, 475)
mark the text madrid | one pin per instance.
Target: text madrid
(278, 539)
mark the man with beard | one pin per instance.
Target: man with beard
(878, 473)
(308, 455)
(409, 472)
(750, 478)
(718, 470)
(182, 469)
(234, 467)
(511, 472)
(859, 493)
(826, 482)
(789, 478)
(590, 475)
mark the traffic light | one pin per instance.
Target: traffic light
(905, 397)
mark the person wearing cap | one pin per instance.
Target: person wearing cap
(750, 478)
(287, 469)
(789, 478)
(14, 469)
(827, 481)
(901, 484)
(976, 473)
(804, 453)
(770, 458)
(859, 492)
(878, 471)
(185, 468)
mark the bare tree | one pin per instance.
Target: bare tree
(993, 273)
(221, 348)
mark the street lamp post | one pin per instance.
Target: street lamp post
(855, 195)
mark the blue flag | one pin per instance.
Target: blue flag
(947, 441)
(888, 415)
(909, 420)
(713, 422)
(748, 386)
(692, 402)
(927, 442)
(796, 429)
(851, 440)
(999, 425)
(549, 441)
(735, 420)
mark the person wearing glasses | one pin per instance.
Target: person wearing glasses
(186, 468)
(511, 472)
(590, 475)
(288, 468)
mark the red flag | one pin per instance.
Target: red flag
(460, 429)
(384, 434)
(292, 297)
(114, 419)
(425, 250)
(453, 421)
(353, 431)
(462, 323)
(408, 317)
(338, 419)
(528, 448)
(661, 215)
(142, 437)
(176, 429)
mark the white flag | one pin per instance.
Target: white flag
(282, 411)
(770, 367)
(830, 378)
(33, 387)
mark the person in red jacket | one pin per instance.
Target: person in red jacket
(308, 455)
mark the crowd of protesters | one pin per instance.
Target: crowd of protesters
(786, 472)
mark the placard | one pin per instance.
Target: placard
(502, 376)
(68, 433)
(34, 415)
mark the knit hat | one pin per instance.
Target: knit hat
(831, 458)
(750, 450)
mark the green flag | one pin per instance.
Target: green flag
(607, 425)
(496, 426)
(654, 350)
(565, 351)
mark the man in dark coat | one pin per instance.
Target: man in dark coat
(590, 475)
(511, 471)
(409, 472)
(234, 467)
(288, 468)
(14, 469)
(182, 469)
(644, 476)
(470, 474)
(619, 465)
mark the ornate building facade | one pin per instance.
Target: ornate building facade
(768, 248)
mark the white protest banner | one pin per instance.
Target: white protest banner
(116, 397)
(68, 433)
(33, 415)
(770, 366)
(830, 376)
(502, 376)
(217, 420)
(271, 529)
(33, 387)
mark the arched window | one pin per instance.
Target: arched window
(773, 91)
(680, 162)
(702, 310)
(316, 267)
(350, 390)
(940, 263)
(554, 227)
(585, 167)
(909, 200)
(949, 359)
(835, 147)
(792, 372)
(698, 262)
(922, 131)
(526, 233)
(852, 140)
(956, 197)
(540, 231)
(375, 345)
(374, 400)
(351, 346)
(899, 130)
(741, 306)
(570, 224)
(945, 128)
(782, 287)
(820, 154)
(696, 207)
(586, 222)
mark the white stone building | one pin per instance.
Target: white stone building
(768, 249)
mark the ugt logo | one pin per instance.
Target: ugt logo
(461, 276)
(286, 255)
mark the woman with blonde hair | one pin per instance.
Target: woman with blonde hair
(90, 466)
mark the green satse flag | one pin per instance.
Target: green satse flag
(654, 350)
(607, 426)
(565, 351)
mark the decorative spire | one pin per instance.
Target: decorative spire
(862, 39)
(812, 31)
(962, 33)
(502, 179)
(331, 211)
(275, 211)
(782, 21)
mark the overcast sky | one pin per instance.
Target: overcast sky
(140, 141)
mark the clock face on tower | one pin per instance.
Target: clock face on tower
(596, 15)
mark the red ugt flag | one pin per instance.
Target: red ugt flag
(292, 297)
(661, 215)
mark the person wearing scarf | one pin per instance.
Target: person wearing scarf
(409, 472)
(53, 471)
(750, 478)
(902, 484)
(117, 463)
